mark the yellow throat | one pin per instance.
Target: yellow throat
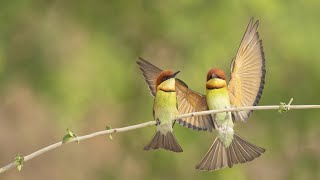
(216, 83)
(167, 85)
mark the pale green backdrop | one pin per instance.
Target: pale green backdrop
(71, 64)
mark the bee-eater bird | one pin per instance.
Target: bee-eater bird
(172, 97)
(244, 89)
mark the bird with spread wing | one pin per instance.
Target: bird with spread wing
(244, 89)
(172, 97)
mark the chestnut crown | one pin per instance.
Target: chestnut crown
(165, 75)
(216, 73)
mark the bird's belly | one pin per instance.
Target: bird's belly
(219, 102)
(165, 111)
(217, 99)
(165, 116)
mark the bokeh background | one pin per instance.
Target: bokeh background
(71, 64)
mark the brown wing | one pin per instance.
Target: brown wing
(247, 72)
(190, 101)
(150, 73)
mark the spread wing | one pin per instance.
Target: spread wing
(191, 101)
(188, 101)
(150, 73)
(247, 72)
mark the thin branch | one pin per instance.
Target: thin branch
(276, 107)
(150, 123)
(77, 139)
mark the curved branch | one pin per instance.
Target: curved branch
(77, 139)
(150, 123)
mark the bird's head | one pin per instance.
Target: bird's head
(166, 80)
(216, 79)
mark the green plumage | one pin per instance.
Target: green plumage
(219, 99)
(228, 148)
(165, 110)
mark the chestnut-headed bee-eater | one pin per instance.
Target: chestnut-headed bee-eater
(244, 89)
(171, 98)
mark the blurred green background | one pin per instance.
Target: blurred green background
(71, 64)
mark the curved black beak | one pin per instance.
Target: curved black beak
(174, 74)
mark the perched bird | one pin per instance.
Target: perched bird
(164, 112)
(244, 89)
(172, 97)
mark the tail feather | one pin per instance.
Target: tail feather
(239, 151)
(216, 158)
(161, 141)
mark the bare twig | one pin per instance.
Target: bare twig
(77, 139)
(276, 107)
(150, 123)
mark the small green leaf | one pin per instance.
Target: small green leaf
(110, 135)
(18, 160)
(69, 136)
(283, 108)
(66, 138)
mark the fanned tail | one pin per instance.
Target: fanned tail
(239, 151)
(216, 157)
(161, 141)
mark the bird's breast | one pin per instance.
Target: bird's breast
(219, 99)
(165, 106)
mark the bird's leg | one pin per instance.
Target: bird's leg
(158, 122)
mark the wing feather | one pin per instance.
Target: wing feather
(247, 72)
(150, 73)
(188, 100)
(191, 101)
